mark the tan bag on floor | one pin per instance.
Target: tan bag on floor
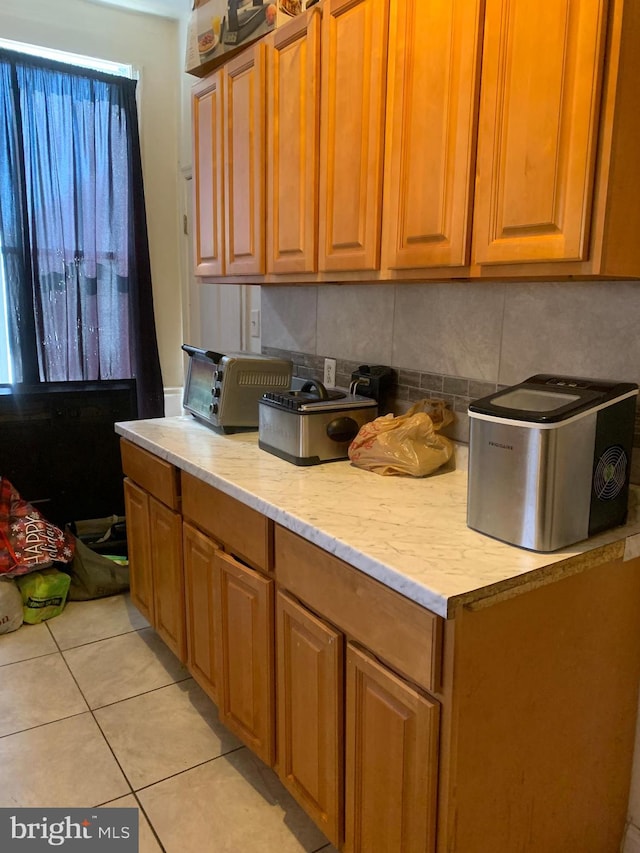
(408, 444)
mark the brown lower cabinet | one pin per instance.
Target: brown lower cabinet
(200, 594)
(391, 761)
(154, 533)
(389, 758)
(243, 630)
(310, 656)
(508, 726)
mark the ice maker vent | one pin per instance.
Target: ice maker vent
(610, 474)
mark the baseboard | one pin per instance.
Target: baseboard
(631, 840)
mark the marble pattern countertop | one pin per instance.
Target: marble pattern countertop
(410, 534)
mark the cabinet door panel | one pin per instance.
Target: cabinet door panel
(207, 164)
(244, 159)
(434, 68)
(199, 553)
(354, 51)
(293, 98)
(168, 576)
(310, 713)
(538, 127)
(391, 761)
(136, 503)
(245, 654)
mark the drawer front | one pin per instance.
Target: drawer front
(158, 477)
(397, 630)
(243, 531)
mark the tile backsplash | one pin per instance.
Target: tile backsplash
(459, 340)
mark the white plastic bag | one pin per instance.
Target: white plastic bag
(409, 444)
(10, 606)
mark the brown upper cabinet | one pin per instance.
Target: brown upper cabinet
(354, 51)
(208, 176)
(556, 185)
(434, 70)
(293, 114)
(468, 139)
(244, 162)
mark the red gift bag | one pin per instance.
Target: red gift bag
(27, 540)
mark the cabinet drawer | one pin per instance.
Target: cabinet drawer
(158, 477)
(399, 631)
(245, 532)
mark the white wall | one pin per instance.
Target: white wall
(151, 44)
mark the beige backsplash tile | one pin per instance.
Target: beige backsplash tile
(356, 322)
(289, 316)
(575, 328)
(449, 328)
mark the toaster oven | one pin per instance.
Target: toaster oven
(222, 391)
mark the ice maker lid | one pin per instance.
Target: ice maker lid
(544, 398)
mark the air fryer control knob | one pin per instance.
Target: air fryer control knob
(342, 429)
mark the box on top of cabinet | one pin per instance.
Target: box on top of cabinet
(219, 28)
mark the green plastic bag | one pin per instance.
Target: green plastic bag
(44, 594)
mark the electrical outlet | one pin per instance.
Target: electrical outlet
(330, 372)
(255, 322)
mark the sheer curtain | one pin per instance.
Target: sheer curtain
(73, 228)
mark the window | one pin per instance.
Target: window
(75, 273)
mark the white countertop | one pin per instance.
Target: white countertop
(408, 533)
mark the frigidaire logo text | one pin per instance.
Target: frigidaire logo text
(501, 446)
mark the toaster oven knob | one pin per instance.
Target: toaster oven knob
(217, 376)
(216, 392)
(213, 408)
(342, 429)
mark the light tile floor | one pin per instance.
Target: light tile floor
(96, 711)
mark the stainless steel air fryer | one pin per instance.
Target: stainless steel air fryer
(549, 460)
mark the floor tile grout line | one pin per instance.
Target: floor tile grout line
(48, 723)
(189, 769)
(144, 693)
(149, 821)
(140, 808)
(33, 657)
(102, 639)
(99, 727)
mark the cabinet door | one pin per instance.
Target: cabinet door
(168, 576)
(391, 761)
(136, 503)
(310, 713)
(354, 52)
(244, 637)
(293, 112)
(434, 67)
(244, 158)
(199, 553)
(207, 165)
(538, 128)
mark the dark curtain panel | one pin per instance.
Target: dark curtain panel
(73, 228)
